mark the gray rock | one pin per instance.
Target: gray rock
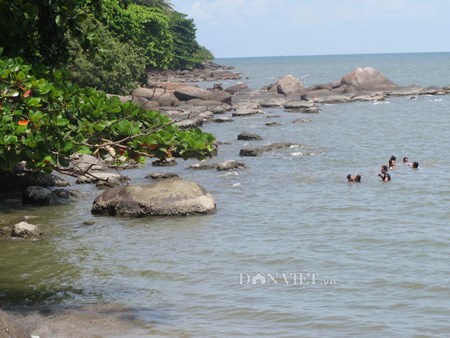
(160, 198)
(189, 93)
(289, 85)
(246, 136)
(82, 164)
(149, 93)
(96, 177)
(367, 79)
(35, 195)
(220, 96)
(273, 124)
(38, 196)
(222, 120)
(203, 166)
(406, 91)
(165, 162)
(334, 98)
(225, 75)
(246, 112)
(299, 105)
(26, 230)
(377, 96)
(258, 151)
(220, 109)
(236, 88)
(272, 102)
(231, 165)
(162, 176)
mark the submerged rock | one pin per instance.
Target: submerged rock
(162, 198)
(258, 151)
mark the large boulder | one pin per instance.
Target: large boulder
(220, 96)
(161, 198)
(189, 93)
(149, 93)
(289, 86)
(367, 79)
(9, 328)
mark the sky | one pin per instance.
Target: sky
(246, 28)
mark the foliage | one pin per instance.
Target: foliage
(145, 27)
(92, 37)
(202, 55)
(185, 45)
(36, 30)
(164, 5)
(43, 122)
(100, 61)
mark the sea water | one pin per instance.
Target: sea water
(293, 249)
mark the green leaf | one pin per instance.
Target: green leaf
(61, 121)
(33, 102)
(58, 20)
(13, 93)
(10, 139)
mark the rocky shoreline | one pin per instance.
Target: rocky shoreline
(175, 94)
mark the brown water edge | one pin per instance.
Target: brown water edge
(80, 321)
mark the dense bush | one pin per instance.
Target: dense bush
(101, 61)
(44, 121)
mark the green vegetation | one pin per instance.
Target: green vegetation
(43, 122)
(55, 57)
(96, 38)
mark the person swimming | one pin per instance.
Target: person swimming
(415, 165)
(356, 178)
(393, 163)
(406, 161)
(385, 177)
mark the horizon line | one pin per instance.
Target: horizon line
(345, 54)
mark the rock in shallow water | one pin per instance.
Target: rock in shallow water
(26, 230)
(162, 198)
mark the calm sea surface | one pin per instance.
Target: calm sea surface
(293, 250)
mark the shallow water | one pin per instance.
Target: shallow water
(376, 253)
